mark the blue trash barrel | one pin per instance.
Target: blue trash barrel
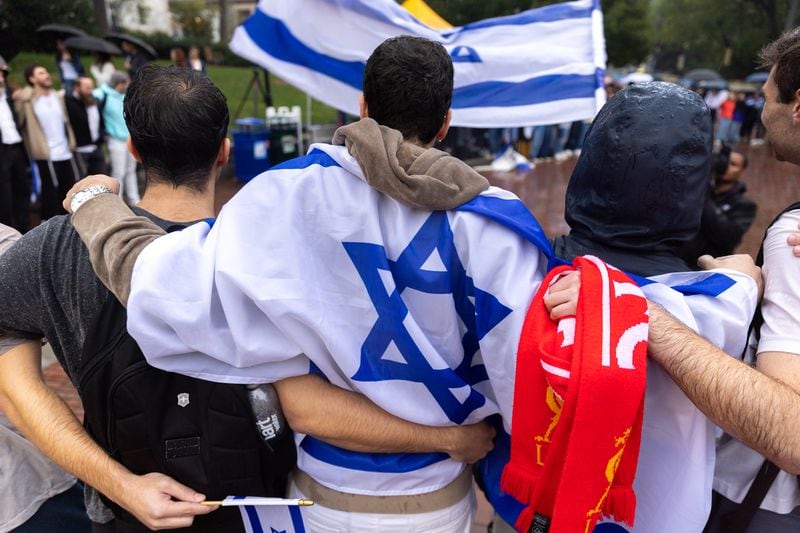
(250, 147)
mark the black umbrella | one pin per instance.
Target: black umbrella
(757, 77)
(138, 43)
(700, 74)
(93, 44)
(61, 31)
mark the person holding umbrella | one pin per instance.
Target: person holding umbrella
(69, 66)
(68, 63)
(103, 68)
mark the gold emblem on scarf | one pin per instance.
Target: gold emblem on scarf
(555, 403)
(611, 471)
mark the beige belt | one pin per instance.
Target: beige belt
(442, 498)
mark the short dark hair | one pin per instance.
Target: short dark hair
(745, 161)
(28, 72)
(784, 54)
(408, 86)
(177, 120)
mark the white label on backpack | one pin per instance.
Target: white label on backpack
(183, 399)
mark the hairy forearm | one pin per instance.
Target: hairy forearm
(755, 408)
(43, 417)
(349, 420)
(115, 237)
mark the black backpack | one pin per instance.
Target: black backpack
(738, 520)
(202, 434)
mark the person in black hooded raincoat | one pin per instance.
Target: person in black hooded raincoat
(637, 192)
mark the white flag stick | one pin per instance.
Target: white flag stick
(256, 501)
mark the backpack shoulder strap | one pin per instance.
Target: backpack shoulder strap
(738, 520)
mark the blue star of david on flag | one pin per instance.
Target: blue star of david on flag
(478, 310)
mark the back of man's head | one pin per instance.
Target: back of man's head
(408, 86)
(118, 78)
(784, 54)
(177, 121)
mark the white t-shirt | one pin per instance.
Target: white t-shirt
(736, 463)
(51, 117)
(102, 74)
(68, 71)
(7, 126)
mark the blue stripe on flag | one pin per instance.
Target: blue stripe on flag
(297, 519)
(713, 285)
(532, 91)
(394, 463)
(314, 157)
(274, 37)
(515, 216)
(384, 14)
(553, 13)
(252, 516)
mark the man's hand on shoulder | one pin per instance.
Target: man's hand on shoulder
(97, 180)
(740, 262)
(469, 444)
(160, 502)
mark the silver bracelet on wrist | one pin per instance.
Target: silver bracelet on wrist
(84, 195)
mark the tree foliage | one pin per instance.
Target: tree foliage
(708, 32)
(194, 18)
(19, 20)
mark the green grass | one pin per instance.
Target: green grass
(232, 81)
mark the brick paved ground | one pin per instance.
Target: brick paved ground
(772, 185)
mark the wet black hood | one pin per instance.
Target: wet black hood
(643, 174)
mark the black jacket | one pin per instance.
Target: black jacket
(637, 191)
(726, 218)
(79, 119)
(7, 96)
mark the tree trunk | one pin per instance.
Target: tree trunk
(224, 26)
(101, 16)
(791, 15)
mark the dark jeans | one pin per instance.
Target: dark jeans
(64, 512)
(57, 178)
(15, 189)
(92, 162)
(763, 521)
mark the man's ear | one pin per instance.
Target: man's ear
(363, 112)
(134, 152)
(796, 108)
(224, 152)
(442, 133)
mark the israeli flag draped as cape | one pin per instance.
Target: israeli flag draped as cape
(542, 66)
(308, 268)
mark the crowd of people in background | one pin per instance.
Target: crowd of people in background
(69, 133)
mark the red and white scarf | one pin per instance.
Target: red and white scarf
(578, 404)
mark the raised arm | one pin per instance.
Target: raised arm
(41, 415)
(350, 420)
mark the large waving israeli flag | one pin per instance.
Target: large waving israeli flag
(309, 269)
(542, 66)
